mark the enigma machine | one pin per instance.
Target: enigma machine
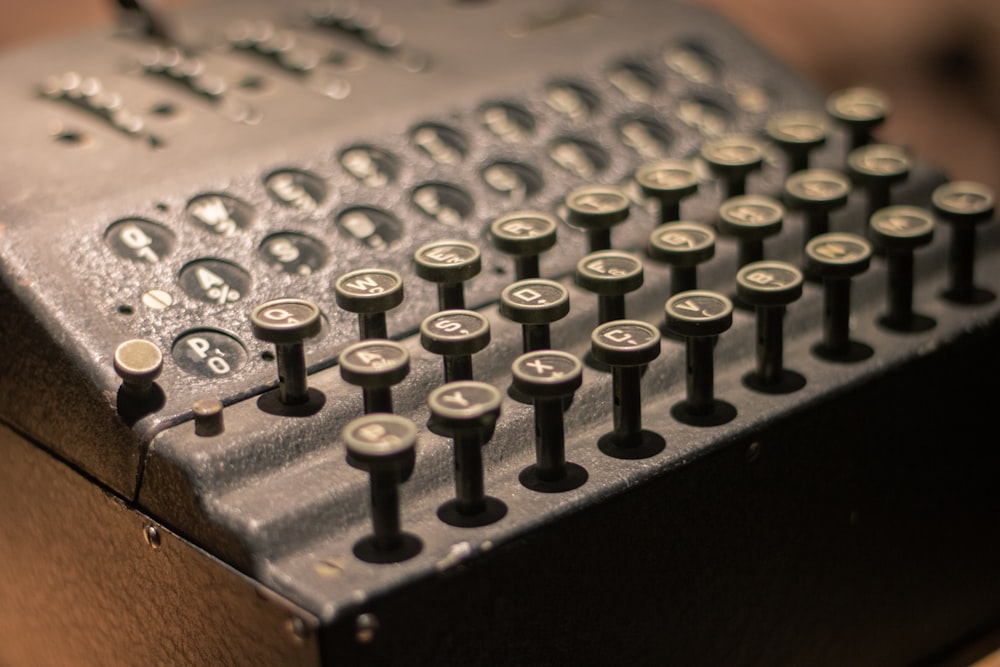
(482, 333)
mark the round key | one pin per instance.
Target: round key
(467, 412)
(836, 258)
(669, 182)
(448, 263)
(769, 286)
(138, 363)
(610, 274)
(683, 245)
(596, 209)
(385, 446)
(878, 167)
(456, 335)
(375, 366)
(733, 158)
(535, 304)
(817, 193)
(798, 133)
(524, 235)
(751, 219)
(549, 378)
(860, 109)
(287, 323)
(898, 231)
(963, 205)
(626, 346)
(370, 293)
(699, 317)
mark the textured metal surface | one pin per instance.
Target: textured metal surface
(274, 493)
(59, 199)
(851, 533)
(699, 549)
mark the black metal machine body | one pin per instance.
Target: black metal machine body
(160, 191)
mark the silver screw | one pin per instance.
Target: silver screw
(152, 537)
(367, 624)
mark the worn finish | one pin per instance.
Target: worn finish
(668, 550)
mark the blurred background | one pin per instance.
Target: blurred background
(939, 60)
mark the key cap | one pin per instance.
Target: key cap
(467, 412)
(385, 446)
(448, 263)
(549, 378)
(700, 317)
(370, 293)
(626, 346)
(287, 323)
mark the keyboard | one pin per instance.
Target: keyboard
(493, 333)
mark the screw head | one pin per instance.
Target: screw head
(152, 537)
(367, 626)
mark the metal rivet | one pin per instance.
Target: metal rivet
(296, 628)
(367, 625)
(152, 537)
(208, 418)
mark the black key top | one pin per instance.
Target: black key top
(370, 293)
(384, 446)
(836, 258)
(288, 323)
(376, 366)
(524, 235)
(549, 378)
(467, 412)
(456, 335)
(699, 317)
(626, 346)
(448, 263)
